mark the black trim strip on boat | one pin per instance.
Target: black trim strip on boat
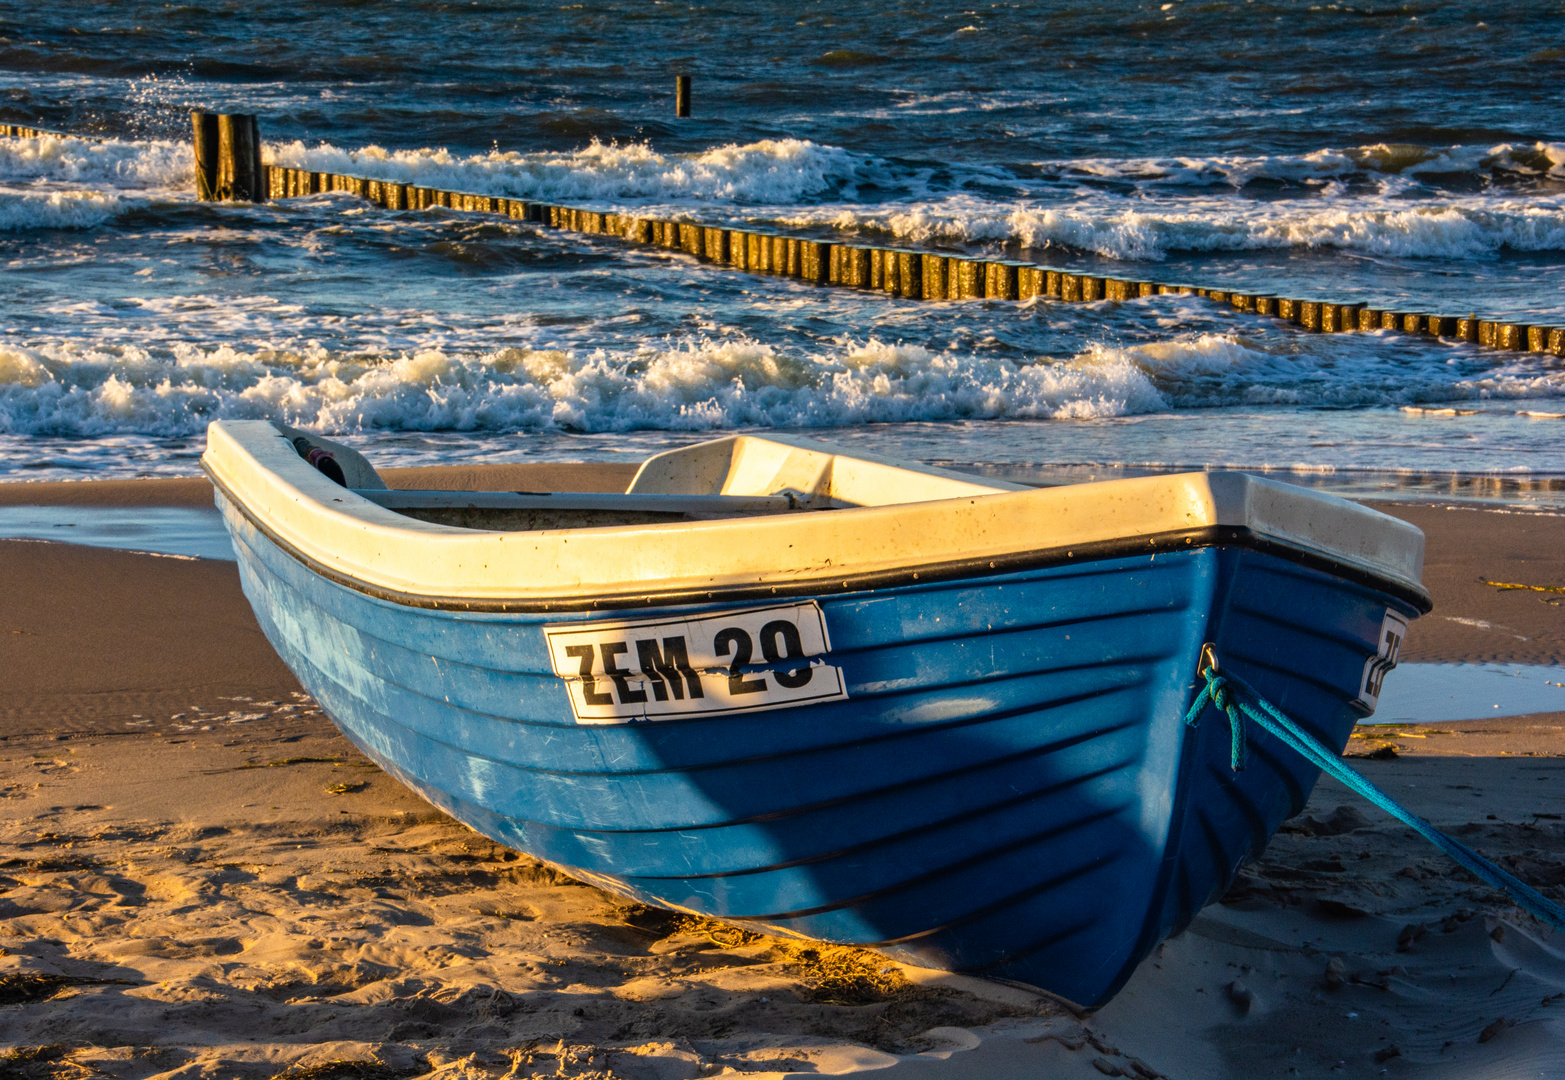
(927, 574)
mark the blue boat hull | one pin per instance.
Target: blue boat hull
(1009, 788)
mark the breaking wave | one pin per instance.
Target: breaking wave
(697, 386)
(1152, 230)
(805, 183)
(772, 171)
(111, 162)
(59, 209)
(1394, 167)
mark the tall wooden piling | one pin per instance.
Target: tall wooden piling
(228, 157)
(682, 96)
(205, 144)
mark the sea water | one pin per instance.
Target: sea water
(1408, 156)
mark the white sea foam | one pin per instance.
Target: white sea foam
(771, 171)
(1146, 229)
(115, 163)
(59, 209)
(700, 385)
(1318, 167)
(809, 184)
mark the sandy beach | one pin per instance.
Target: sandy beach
(200, 878)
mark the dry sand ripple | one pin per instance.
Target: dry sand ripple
(260, 901)
(302, 908)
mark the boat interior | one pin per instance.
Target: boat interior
(732, 478)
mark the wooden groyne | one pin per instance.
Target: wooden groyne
(17, 131)
(911, 274)
(230, 168)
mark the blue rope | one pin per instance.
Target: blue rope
(1238, 700)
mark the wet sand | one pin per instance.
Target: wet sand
(200, 878)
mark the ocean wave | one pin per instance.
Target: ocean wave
(770, 171)
(21, 210)
(700, 385)
(1152, 230)
(1374, 161)
(158, 164)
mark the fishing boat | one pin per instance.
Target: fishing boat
(832, 695)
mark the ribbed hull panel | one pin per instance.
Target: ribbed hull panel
(1008, 788)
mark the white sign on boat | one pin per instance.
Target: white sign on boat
(658, 669)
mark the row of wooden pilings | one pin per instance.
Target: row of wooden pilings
(229, 167)
(915, 275)
(16, 131)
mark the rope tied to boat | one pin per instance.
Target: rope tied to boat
(1239, 701)
(1216, 692)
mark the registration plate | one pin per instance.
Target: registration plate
(658, 669)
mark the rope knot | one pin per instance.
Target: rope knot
(1218, 693)
(1217, 690)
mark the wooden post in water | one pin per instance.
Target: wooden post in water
(682, 95)
(936, 285)
(205, 131)
(239, 158)
(1000, 281)
(1511, 336)
(856, 264)
(815, 260)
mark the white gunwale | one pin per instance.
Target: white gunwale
(898, 519)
